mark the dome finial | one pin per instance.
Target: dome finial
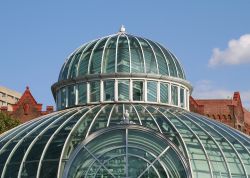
(122, 29)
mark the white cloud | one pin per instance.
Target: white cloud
(206, 89)
(237, 52)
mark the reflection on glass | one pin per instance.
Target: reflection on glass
(71, 96)
(123, 90)
(94, 91)
(137, 65)
(109, 56)
(63, 98)
(137, 90)
(108, 90)
(182, 97)
(123, 62)
(174, 95)
(95, 63)
(58, 99)
(82, 93)
(149, 57)
(164, 93)
(127, 153)
(152, 91)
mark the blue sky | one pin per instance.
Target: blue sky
(211, 39)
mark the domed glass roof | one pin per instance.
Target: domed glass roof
(121, 53)
(124, 140)
(123, 106)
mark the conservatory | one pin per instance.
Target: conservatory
(123, 112)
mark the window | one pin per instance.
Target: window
(58, 99)
(63, 98)
(108, 90)
(123, 90)
(164, 93)
(182, 99)
(174, 95)
(137, 90)
(152, 91)
(82, 93)
(71, 95)
(94, 91)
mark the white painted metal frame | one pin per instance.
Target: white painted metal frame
(156, 60)
(179, 135)
(83, 48)
(20, 141)
(59, 173)
(211, 137)
(229, 143)
(131, 80)
(52, 137)
(39, 135)
(143, 57)
(198, 139)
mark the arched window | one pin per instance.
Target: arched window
(224, 117)
(219, 117)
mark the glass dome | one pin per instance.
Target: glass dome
(121, 53)
(121, 68)
(124, 140)
(123, 111)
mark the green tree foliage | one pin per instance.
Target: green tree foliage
(7, 122)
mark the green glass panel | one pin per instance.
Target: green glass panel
(152, 91)
(178, 65)
(150, 60)
(123, 61)
(95, 63)
(182, 99)
(63, 98)
(66, 68)
(71, 96)
(58, 99)
(164, 92)
(137, 90)
(126, 153)
(123, 90)
(82, 93)
(116, 115)
(108, 65)
(74, 65)
(84, 60)
(174, 95)
(137, 64)
(94, 91)
(171, 64)
(101, 119)
(162, 63)
(108, 90)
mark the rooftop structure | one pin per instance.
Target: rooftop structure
(227, 111)
(26, 108)
(123, 111)
(8, 97)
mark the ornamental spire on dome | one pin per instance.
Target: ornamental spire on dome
(122, 29)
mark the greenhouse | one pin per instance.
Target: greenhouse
(123, 112)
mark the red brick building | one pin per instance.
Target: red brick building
(228, 111)
(27, 108)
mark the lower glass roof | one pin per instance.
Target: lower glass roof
(44, 146)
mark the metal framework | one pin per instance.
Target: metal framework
(172, 123)
(124, 110)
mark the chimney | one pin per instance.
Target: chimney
(49, 109)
